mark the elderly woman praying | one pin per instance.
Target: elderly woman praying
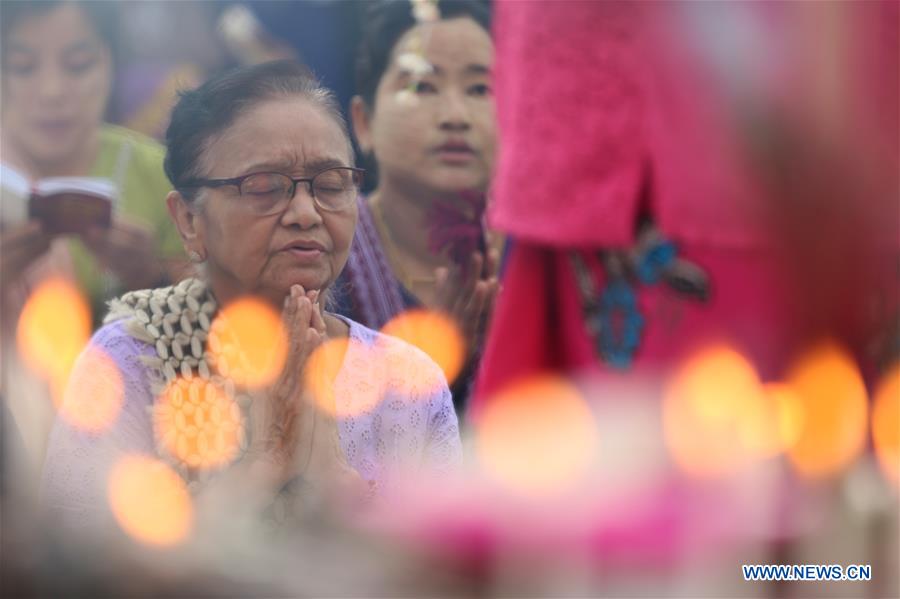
(264, 199)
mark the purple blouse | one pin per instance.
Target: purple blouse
(394, 410)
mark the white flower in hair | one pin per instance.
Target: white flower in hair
(239, 24)
(425, 11)
(415, 64)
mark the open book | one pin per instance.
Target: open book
(62, 204)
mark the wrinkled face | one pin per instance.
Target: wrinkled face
(440, 134)
(265, 255)
(56, 80)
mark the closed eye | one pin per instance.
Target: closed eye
(20, 62)
(79, 67)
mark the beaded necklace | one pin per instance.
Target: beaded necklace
(200, 416)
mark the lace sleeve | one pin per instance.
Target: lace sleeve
(443, 448)
(74, 480)
(422, 409)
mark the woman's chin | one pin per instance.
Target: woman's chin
(308, 283)
(458, 182)
(45, 151)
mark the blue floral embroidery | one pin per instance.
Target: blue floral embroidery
(654, 261)
(613, 318)
(617, 324)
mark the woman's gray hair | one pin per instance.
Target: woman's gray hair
(203, 113)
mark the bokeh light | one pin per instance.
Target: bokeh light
(198, 423)
(434, 333)
(150, 501)
(772, 424)
(365, 385)
(321, 370)
(248, 342)
(834, 404)
(538, 436)
(789, 413)
(886, 424)
(715, 413)
(95, 393)
(53, 328)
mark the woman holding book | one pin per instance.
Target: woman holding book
(57, 68)
(58, 62)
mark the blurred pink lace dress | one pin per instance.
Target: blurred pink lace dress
(677, 112)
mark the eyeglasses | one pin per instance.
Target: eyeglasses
(333, 189)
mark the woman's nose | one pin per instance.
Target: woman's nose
(454, 113)
(51, 84)
(301, 209)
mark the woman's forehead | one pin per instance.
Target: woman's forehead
(286, 134)
(57, 28)
(452, 44)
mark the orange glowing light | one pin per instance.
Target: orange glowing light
(772, 423)
(150, 501)
(53, 328)
(95, 393)
(789, 414)
(321, 370)
(834, 404)
(886, 424)
(365, 385)
(712, 413)
(250, 343)
(435, 334)
(538, 436)
(198, 423)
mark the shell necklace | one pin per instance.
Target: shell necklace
(200, 417)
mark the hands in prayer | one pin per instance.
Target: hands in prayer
(468, 293)
(292, 436)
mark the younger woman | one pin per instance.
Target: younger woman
(424, 113)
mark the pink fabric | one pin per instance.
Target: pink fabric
(760, 138)
(750, 306)
(597, 98)
(569, 100)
